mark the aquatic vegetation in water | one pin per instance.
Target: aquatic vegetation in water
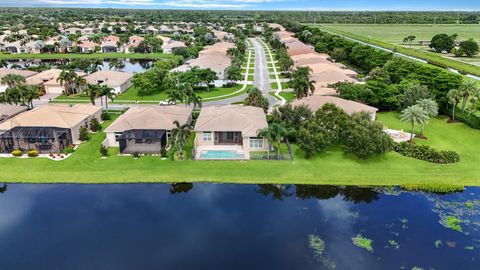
(453, 223)
(442, 188)
(438, 244)
(394, 244)
(318, 246)
(363, 242)
(417, 268)
(404, 222)
(469, 247)
(469, 205)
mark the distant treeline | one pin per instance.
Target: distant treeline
(10, 15)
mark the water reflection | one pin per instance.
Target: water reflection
(130, 65)
(180, 187)
(220, 226)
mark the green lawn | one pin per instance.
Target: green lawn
(288, 96)
(332, 167)
(87, 55)
(274, 85)
(389, 40)
(132, 94)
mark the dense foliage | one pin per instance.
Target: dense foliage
(426, 153)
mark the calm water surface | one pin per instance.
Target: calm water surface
(131, 65)
(208, 226)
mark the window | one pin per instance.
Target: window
(117, 136)
(256, 143)
(207, 136)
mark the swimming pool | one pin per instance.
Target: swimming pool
(221, 154)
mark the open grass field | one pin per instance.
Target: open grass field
(332, 167)
(389, 36)
(87, 56)
(394, 33)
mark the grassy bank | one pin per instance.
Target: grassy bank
(87, 56)
(432, 58)
(331, 167)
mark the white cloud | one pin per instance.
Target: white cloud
(233, 4)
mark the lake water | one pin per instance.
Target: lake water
(131, 65)
(213, 226)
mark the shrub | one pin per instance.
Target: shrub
(103, 151)
(17, 153)
(136, 154)
(95, 125)
(84, 136)
(68, 150)
(442, 188)
(33, 153)
(426, 153)
(180, 155)
(105, 116)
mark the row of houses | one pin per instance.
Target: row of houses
(49, 82)
(228, 132)
(84, 44)
(213, 57)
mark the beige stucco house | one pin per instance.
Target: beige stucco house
(48, 79)
(49, 128)
(119, 81)
(6, 71)
(145, 129)
(229, 132)
(315, 102)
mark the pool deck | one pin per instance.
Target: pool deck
(236, 148)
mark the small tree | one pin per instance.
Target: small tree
(469, 48)
(256, 99)
(453, 98)
(95, 125)
(414, 115)
(103, 151)
(430, 106)
(83, 134)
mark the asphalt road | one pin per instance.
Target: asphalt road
(262, 75)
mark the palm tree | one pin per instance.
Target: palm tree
(274, 134)
(95, 65)
(93, 91)
(12, 80)
(453, 97)
(474, 98)
(107, 92)
(30, 93)
(301, 83)
(414, 115)
(78, 84)
(466, 89)
(179, 135)
(116, 64)
(430, 106)
(66, 79)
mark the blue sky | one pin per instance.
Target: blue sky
(257, 4)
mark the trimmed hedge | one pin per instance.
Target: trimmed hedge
(470, 120)
(426, 153)
(33, 153)
(17, 153)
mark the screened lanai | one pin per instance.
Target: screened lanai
(44, 139)
(145, 141)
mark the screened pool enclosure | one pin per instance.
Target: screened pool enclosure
(44, 139)
(144, 141)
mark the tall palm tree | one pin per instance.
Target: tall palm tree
(179, 135)
(12, 80)
(466, 89)
(78, 84)
(429, 106)
(95, 65)
(116, 64)
(274, 134)
(454, 97)
(107, 92)
(30, 93)
(66, 79)
(474, 98)
(93, 91)
(414, 115)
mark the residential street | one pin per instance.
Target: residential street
(262, 76)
